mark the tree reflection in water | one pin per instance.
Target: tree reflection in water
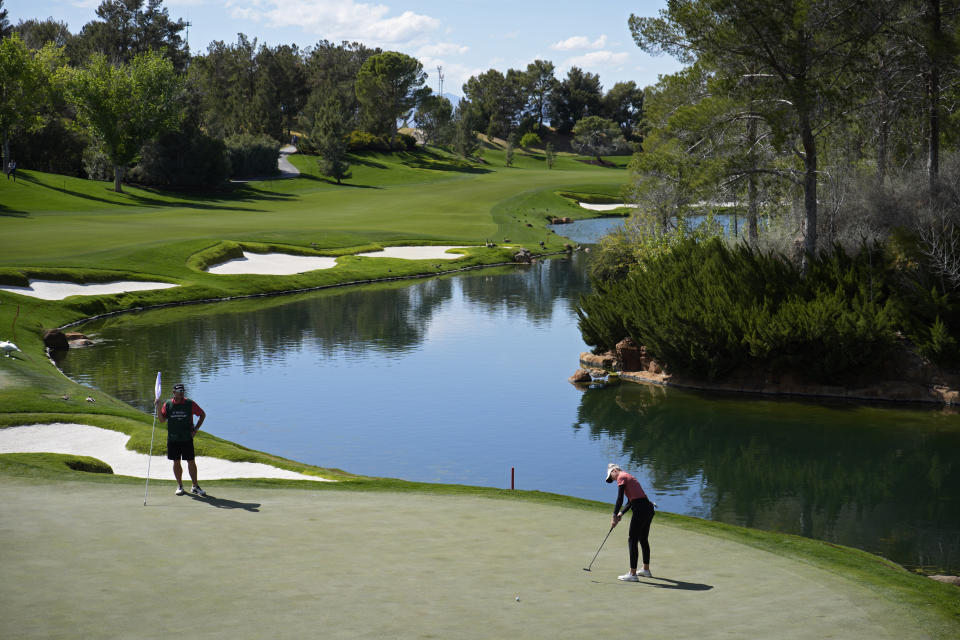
(886, 480)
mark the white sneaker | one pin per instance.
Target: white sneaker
(196, 490)
(179, 491)
(628, 577)
(644, 573)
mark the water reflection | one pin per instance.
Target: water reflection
(373, 323)
(459, 379)
(881, 479)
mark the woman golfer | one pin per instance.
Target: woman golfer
(639, 521)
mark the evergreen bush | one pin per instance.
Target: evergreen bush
(252, 155)
(363, 141)
(704, 309)
(181, 159)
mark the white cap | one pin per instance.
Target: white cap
(610, 469)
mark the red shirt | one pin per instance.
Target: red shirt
(163, 408)
(631, 488)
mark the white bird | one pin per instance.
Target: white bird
(8, 348)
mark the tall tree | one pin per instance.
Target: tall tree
(624, 105)
(930, 28)
(279, 89)
(124, 106)
(129, 27)
(36, 33)
(329, 134)
(497, 99)
(801, 53)
(540, 83)
(596, 136)
(25, 85)
(5, 26)
(433, 118)
(227, 78)
(332, 69)
(465, 140)
(578, 96)
(389, 85)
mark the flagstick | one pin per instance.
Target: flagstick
(146, 486)
(149, 458)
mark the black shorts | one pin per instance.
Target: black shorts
(180, 450)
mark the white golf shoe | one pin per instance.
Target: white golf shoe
(179, 491)
(644, 573)
(628, 577)
(197, 491)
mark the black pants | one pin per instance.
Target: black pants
(640, 530)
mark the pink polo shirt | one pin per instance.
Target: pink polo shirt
(631, 488)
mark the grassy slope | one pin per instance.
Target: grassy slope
(56, 226)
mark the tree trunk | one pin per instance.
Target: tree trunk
(752, 235)
(6, 149)
(933, 93)
(933, 160)
(117, 176)
(809, 189)
(883, 136)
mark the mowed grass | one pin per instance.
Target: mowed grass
(63, 228)
(50, 220)
(56, 227)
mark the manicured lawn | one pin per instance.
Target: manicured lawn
(366, 556)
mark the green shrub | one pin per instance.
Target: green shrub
(181, 159)
(252, 155)
(363, 141)
(704, 309)
(939, 346)
(96, 164)
(406, 142)
(530, 140)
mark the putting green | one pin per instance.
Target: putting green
(89, 560)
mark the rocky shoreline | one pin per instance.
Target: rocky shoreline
(907, 378)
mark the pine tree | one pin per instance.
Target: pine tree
(330, 136)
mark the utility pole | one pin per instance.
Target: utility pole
(187, 40)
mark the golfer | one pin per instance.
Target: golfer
(178, 413)
(640, 521)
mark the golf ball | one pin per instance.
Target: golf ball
(518, 598)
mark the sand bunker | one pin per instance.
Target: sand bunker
(272, 264)
(605, 207)
(54, 290)
(416, 253)
(110, 447)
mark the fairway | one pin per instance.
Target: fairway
(89, 560)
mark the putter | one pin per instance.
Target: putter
(588, 567)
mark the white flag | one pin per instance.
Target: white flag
(156, 388)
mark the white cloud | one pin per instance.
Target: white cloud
(579, 42)
(337, 20)
(598, 59)
(243, 13)
(442, 49)
(171, 4)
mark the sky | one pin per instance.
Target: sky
(463, 37)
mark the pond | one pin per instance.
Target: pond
(459, 379)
